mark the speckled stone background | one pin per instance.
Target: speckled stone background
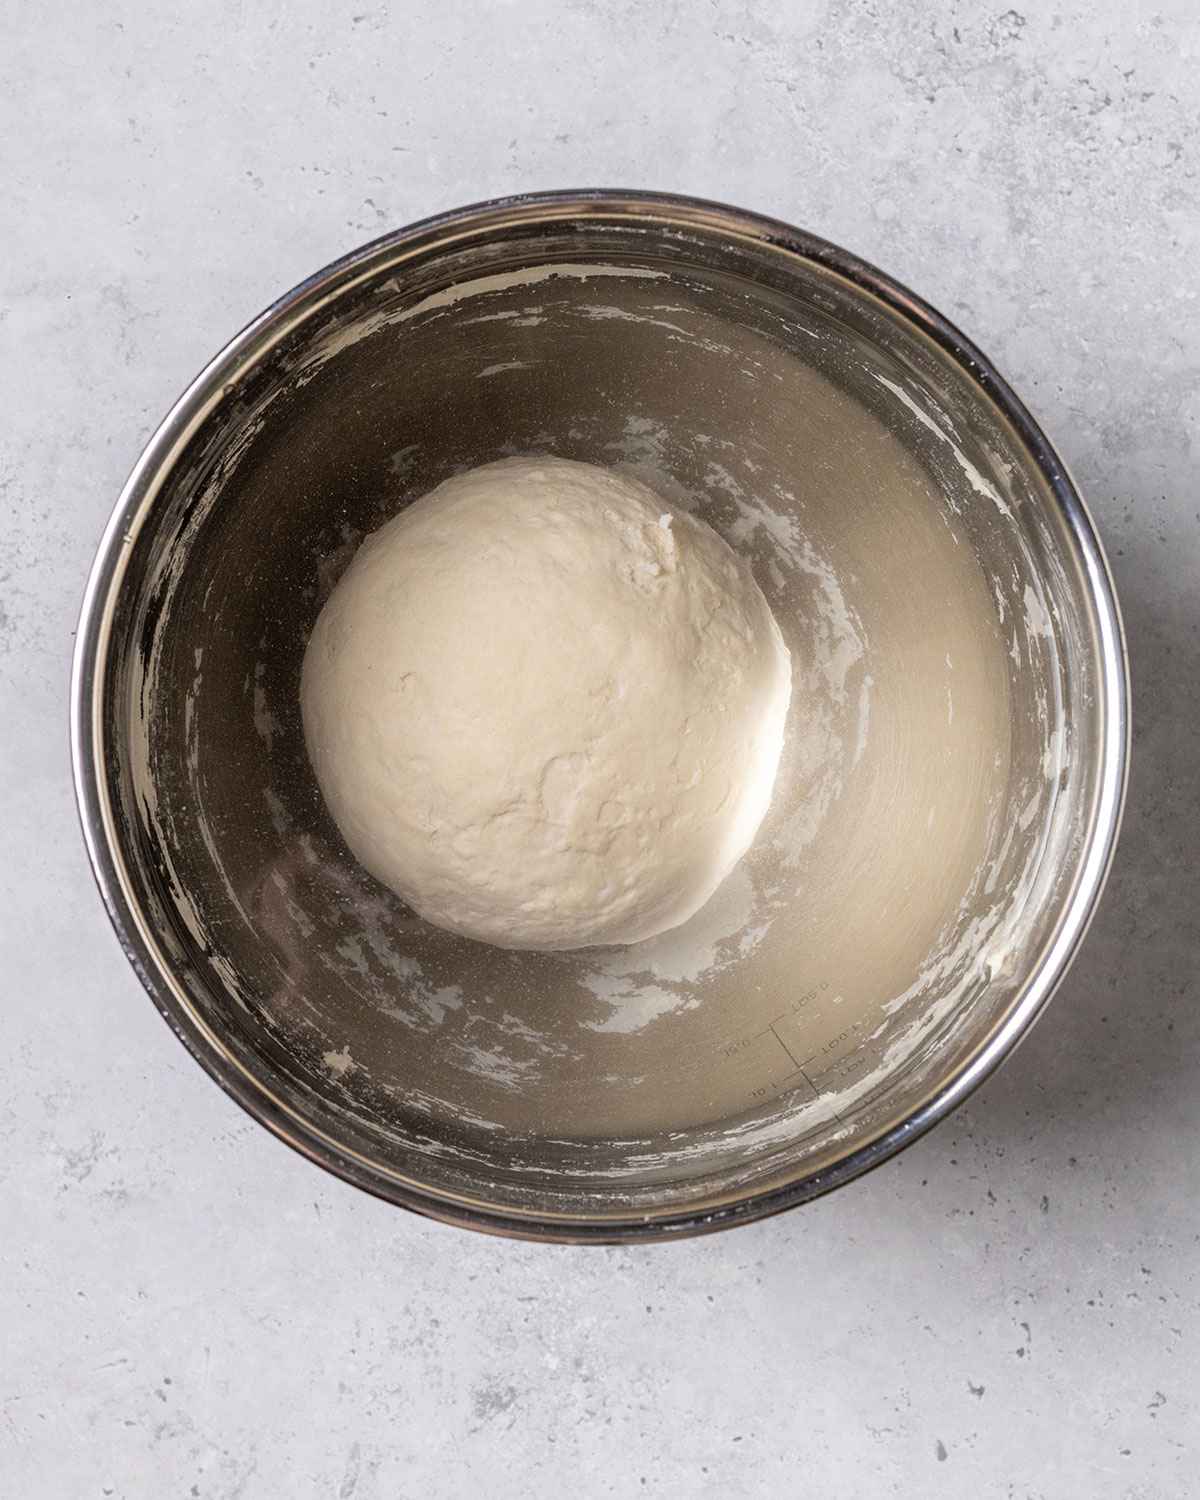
(1010, 1309)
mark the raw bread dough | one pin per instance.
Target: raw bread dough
(545, 707)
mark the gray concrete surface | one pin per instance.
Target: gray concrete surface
(187, 1309)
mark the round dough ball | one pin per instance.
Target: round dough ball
(545, 707)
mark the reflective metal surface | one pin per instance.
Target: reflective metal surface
(951, 788)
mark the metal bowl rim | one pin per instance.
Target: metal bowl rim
(131, 512)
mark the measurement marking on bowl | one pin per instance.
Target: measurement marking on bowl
(801, 1067)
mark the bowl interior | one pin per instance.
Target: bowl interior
(929, 817)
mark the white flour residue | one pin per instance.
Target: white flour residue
(1054, 754)
(497, 1067)
(511, 1025)
(528, 317)
(529, 276)
(147, 688)
(1037, 617)
(339, 339)
(191, 739)
(386, 975)
(643, 451)
(507, 364)
(1005, 474)
(432, 1000)
(403, 461)
(276, 811)
(331, 565)
(1030, 811)
(304, 924)
(352, 951)
(634, 1005)
(265, 724)
(755, 516)
(840, 638)
(599, 313)
(339, 1063)
(864, 716)
(656, 978)
(944, 431)
(675, 333)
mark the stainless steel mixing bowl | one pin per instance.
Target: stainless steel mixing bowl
(951, 787)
